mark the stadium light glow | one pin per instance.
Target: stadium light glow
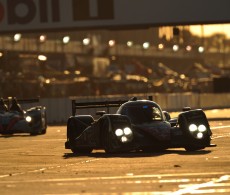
(112, 43)
(66, 39)
(201, 49)
(86, 41)
(17, 37)
(175, 47)
(160, 46)
(42, 38)
(129, 43)
(146, 45)
(42, 58)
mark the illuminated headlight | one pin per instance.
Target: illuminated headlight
(124, 135)
(202, 128)
(124, 139)
(119, 132)
(128, 131)
(200, 135)
(28, 119)
(193, 127)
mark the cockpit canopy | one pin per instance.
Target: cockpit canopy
(141, 111)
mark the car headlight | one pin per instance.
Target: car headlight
(119, 132)
(197, 130)
(202, 128)
(200, 135)
(193, 128)
(124, 135)
(128, 131)
(124, 139)
(28, 119)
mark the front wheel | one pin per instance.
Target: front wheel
(75, 127)
(81, 150)
(106, 138)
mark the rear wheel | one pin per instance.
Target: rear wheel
(44, 123)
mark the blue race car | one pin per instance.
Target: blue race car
(13, 119)
(136, 125)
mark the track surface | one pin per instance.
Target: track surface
(41, 165)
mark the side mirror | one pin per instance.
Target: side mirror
(167, 115)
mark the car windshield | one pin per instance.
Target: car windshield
(143, 114)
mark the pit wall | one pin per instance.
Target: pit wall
(59, 109)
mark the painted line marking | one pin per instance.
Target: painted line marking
(158, 176)
(193, 188)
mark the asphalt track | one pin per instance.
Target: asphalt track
(41, 165)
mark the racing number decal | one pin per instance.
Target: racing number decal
(93, 9)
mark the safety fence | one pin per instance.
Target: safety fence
(59, 109)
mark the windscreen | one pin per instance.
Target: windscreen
(143, 114)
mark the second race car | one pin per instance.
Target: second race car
(13, 119)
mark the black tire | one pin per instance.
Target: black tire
(105, 137)
(44, 129)
(78, 150)
(75, 127)
(193, 148)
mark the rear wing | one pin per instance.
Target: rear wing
(103, 104)
(22, 101)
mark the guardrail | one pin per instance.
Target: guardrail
(60, 109)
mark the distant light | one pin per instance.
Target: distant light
(42, 58)
(86, 41)
(17, 37)
(160, 46)
(182, 76)
(66, 39)
(201, 49)
(171, 81)
(175, 47)
(47, 81)
(146, 45)
(42, 38)
(1, 54)
(129, 43)
(112, 43)
(188, 48)
(113, 58)
(77, 72)
(66, 72)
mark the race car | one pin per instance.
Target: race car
(137, 125)
(13, 119)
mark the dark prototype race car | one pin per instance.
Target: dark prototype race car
(137, 125)
(13, 119)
